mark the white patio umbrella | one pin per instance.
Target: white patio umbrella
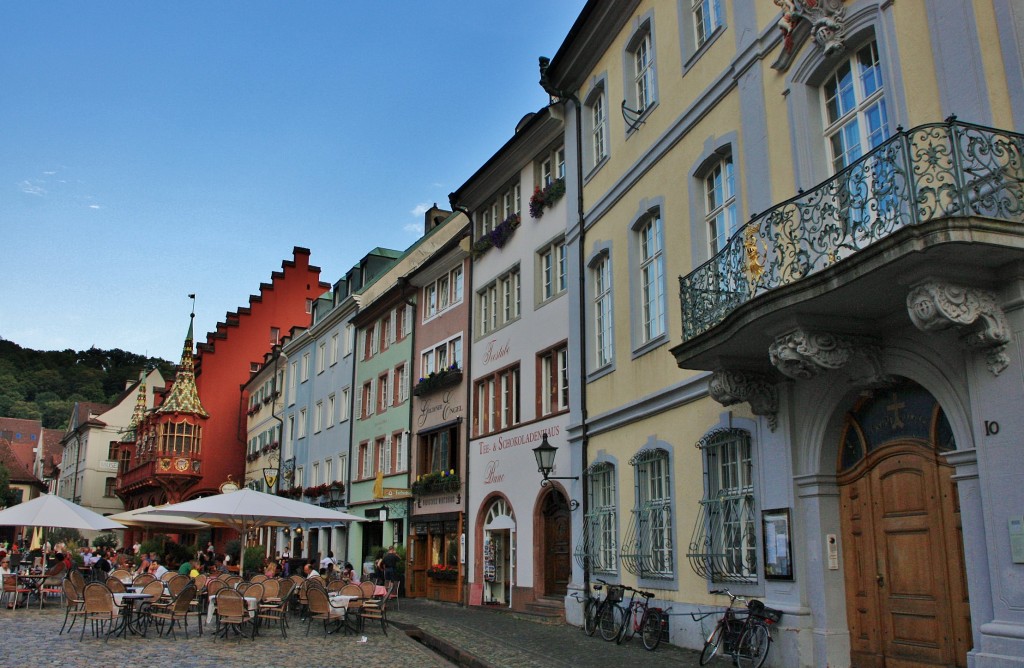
(50, 510)
(151, 517)
(248, 509)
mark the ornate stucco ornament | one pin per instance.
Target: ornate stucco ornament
(936, 305)
(803, 354)
(825, 20)
(732, 386)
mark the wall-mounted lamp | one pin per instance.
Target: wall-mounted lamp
(545, 454)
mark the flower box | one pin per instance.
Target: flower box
(437, 380)
(545, 198)
(436, 482)
(496, 238)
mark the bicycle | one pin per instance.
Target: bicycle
(593, 606)
(646, 620)
(746, 635)
(609, 616)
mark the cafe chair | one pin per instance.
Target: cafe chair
(99, 609)
(377, 609)
(175, 613)
(13, 591)
(73, 604)
(319, 607)
(231, 612)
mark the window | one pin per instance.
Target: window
(321, 358)
(334, 349)
(640, 84)
(554, 380)
(112, 451)
(383, 391)
(384, 327)
(443, 293)
(401, 389)
(343, 406)
(302, 422)
(366, 402)
(601, 521)
(314, 479)
(291, 427)
(299, 476)
(603, 326)
(275, 336)
(553, 266)
(328, 474)
(444, 355)
(855, 112)
(109, 485)
(309, 305)
(720, 205)
(291, 382)
(342, 467)
(383, 456)
(652, 278)
(595, 122)
(350, 337)
(318, 417)
(439, 451)
(305, 367)
(365, 460)
(707, 17)
(500, 301)
(506, 203)
(647, 547)
(727, 516)
(497, 404)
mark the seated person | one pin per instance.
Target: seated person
(157, 570)
(57, 571)
(348, 574)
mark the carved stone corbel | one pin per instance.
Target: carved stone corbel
(803, 354)
(729, 387)
(936, 305)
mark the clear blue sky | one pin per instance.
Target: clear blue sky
(153, 149)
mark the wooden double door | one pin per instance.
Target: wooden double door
(906, 593)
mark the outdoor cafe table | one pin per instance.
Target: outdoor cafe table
(339, 609)
(251, 604)
(128, 622)
(35, 583)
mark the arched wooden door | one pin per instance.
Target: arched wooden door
(555, 551)
(906, 594)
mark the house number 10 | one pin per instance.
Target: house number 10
(991, 427)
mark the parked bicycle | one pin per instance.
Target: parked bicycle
(745, 634)
(594, 606)
(641, 618)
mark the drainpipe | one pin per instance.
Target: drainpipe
(467, 377)
(545, 83)
(278, 354)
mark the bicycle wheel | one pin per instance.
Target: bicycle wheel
(711, 644)
(611, 616)
(590, 612)
(752, 650)
(651, 631)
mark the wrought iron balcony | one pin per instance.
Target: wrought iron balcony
(647, 544)
(597, 546)
(930, 173)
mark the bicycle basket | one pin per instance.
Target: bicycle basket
(758, 609)
(614, 593)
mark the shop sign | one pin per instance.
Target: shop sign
(434, 412)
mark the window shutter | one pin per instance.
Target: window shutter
(403, 450)
(407, 321)
(392, 334)
(359, 404)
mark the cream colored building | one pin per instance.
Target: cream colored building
(798, 338)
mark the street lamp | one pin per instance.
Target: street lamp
(545, 454)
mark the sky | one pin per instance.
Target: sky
(149, 150)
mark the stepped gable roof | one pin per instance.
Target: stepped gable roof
(183, 396)
(233, 319)
(23, 437)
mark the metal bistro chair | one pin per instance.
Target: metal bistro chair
(319, 607)
(178, 611)
(377, 609)
(147, 607)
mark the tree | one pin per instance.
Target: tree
(6, 494)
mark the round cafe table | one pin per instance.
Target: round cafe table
(129, 620)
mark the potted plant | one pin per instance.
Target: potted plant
(437, 380)
(546, 197)
(497, 237)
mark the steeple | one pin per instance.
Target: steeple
(183, 396)
(139, 414)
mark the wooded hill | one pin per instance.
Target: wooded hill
(44, 385)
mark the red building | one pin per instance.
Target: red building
(188, 447)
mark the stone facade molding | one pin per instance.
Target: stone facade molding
(805, 354)
(733, 386)
(937, 305)
(825, 20)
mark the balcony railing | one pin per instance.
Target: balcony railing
(596, 547)
(647, 544)
(941, 170)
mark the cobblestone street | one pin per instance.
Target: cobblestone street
(470, 637)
